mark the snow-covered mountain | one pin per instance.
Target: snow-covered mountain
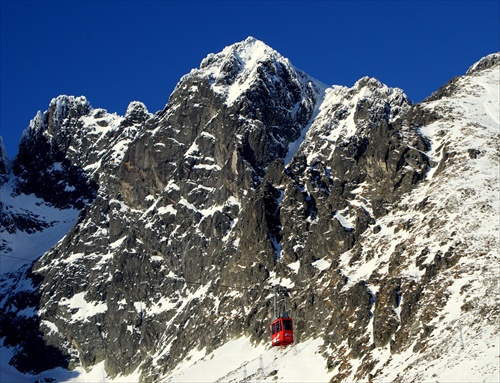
(148, 246)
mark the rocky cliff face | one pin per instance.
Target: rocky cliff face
(256, 175)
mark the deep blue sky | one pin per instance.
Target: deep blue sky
(114, 52)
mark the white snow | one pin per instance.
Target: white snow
(96, 374)
(294, 266)
(322, 264)
(238, 360)
(343, 221)
(27, 312)
(248, 55)
(21, 247)
(169, 209)
(52, 327)
(274, 280)
(335, 118)
(118, 243)
(294, 146)
(84, 309)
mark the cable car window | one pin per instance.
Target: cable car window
(279, 326)
(273, 328)
(287, 324)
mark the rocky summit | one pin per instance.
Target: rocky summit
(131, 242)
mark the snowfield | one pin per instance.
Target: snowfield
(21, 247)
(236, 361)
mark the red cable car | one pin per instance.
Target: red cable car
(281, 326)
(281, 331)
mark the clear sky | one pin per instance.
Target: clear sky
(115, 52)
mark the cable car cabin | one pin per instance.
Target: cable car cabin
(281, 331)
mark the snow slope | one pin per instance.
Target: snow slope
(236, 361)
(97, 374)
(21, 247)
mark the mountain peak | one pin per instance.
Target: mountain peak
(238, 67)
(61, 106)
(369, 86)
(248, 52)
(485, 63)
(137, 112)
(65, 99)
